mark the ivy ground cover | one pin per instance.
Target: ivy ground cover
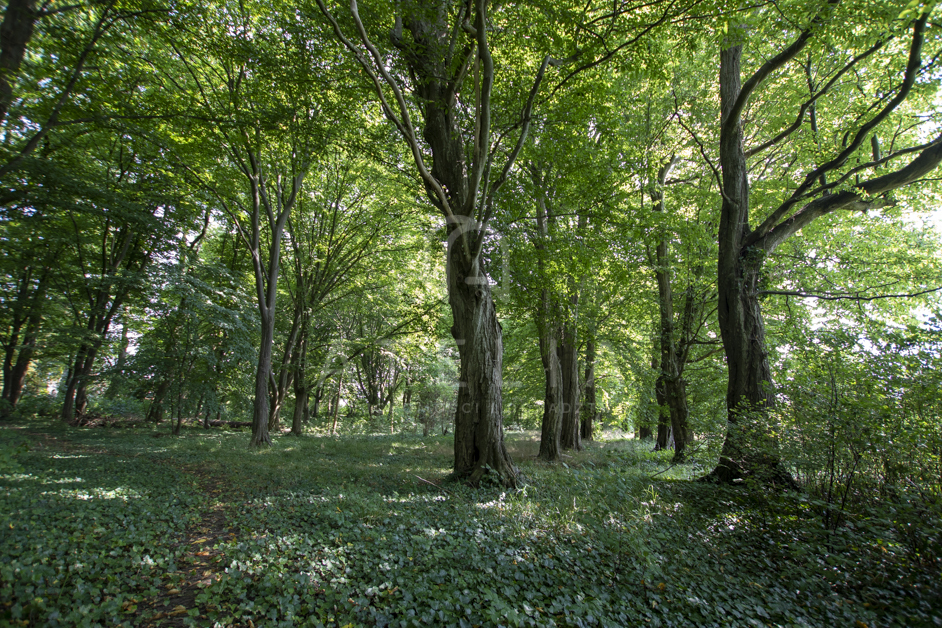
(116, 527)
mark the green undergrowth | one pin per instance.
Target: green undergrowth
(369, 531)
(86, 533)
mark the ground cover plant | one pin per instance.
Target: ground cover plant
(116, 527)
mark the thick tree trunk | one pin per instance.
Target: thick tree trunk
(588, 403)
(155, 412)
(479, 430)
(553, 396)
(18, 356)
(749, 449)
(14, 372)
(19, 20)
(75, 402)
(571, 434)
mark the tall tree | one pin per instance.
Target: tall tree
(834, 178)
(445, 49)
(249, 74)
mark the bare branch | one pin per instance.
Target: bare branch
(856, 296)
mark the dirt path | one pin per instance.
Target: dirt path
(200, 563)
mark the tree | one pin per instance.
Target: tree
(446, 51)
(833, 179)
(249, 73)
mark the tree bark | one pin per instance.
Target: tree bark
(155, 412)
(445, 57)
(19, 20)
(750, 448)
(589, 410)
(553, 397)
(479, 430)
(663, 439)
(571, 435)
(670, 383)
(260, 406)
(27, 319)
(333, 427)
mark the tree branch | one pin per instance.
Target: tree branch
(847, 297)
(405, 126)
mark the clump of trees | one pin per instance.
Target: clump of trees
(552, 215)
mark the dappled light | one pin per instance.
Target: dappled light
(227, 537)
(433, 313)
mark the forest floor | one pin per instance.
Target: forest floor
(116, 527)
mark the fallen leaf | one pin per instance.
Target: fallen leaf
(177, 610)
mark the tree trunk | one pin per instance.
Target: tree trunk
(588, 404)
(662, 441)
(18, 356)
(749, 449)
(571, 434)
(479, 430)
(75, 402)
(301, 395)
(314, 412)
(670, 382)
(333, 427)
(155, 412)
(553, 396)
(260, 407)
(114, 388)
(19, 20)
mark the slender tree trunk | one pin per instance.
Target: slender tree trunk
(300, 409)
(571, 433)
(670, 383)
(547, 323)
(479, 430)
(333, 427)
(589, 411)
(301, 390)
(550, 449)
(115, 385)
(179, 421)
(260, 408)
(315, 411)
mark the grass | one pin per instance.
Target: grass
(116, 527)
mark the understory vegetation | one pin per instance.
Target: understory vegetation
(115, 526)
